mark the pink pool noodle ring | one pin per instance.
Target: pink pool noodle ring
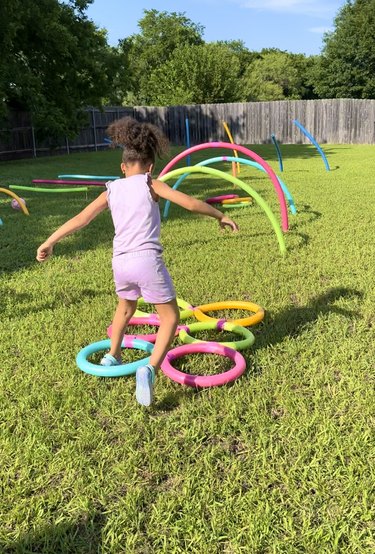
(203, 380)
(218, 199)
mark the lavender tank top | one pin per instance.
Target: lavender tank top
(135, 215)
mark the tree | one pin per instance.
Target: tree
(346, 68)
(117, 68)
(275, 75)
(161, 34)
(245, 56)
(54, 62)
(196, 74)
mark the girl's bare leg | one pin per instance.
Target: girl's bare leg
(124, 312)
(169, 316)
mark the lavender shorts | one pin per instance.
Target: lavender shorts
(143, 274)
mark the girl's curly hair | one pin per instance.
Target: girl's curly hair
(141, 142)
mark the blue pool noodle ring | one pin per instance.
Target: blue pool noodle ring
(116, 370)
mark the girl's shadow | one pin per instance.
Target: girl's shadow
(82, 537)
(292, 321)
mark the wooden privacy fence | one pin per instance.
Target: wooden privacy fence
(335, 121)
(20, 138)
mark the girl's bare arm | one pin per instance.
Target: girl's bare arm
(77, 222)
(192, 204)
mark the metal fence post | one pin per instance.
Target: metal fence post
(94, 129)
(33, 139)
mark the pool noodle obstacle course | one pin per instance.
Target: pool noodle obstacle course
(247, 152)
(220, 174)
(240, 161)
(190, 344)
(205, 322)
(314, 142)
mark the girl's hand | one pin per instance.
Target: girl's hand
(226, 221)
(44, 252)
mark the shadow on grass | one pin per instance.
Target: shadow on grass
(303, 151)
(307, 210)
(20, 235)
(203, 241)
(305, 239)
(305, 215)
(171, 400)
(79, 538)
(22, 301)
(306, 169)
(292, 321)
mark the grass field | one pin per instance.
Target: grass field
(282, 461)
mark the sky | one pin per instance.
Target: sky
(293, 25)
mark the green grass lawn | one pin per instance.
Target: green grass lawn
(279, 462)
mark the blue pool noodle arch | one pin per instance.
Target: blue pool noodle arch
(279, 156)
(311, 138)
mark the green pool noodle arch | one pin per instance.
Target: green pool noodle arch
(221, 175)
(239, 161)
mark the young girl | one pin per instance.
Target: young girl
(137, 263)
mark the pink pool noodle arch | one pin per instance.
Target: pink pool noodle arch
(246, 151)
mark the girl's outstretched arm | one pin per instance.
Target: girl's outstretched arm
(77, 222)
(192, 204)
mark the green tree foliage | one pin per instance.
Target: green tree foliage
(118, 73)
(275, 75)
(347, 65)
(244, 55)
(54, 62)
(197, 74)
(161, 33)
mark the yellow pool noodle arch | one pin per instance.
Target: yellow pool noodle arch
(22, 205)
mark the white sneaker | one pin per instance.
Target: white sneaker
(144, 378)
(109, 360)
